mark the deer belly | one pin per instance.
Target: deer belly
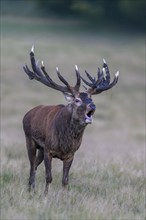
(61, 155)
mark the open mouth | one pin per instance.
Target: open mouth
(88, 116)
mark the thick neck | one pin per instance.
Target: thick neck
(68, 124)
(76, 130)
(75, 125)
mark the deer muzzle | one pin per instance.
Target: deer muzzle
(89, 113)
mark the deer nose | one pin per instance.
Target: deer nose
(92, 106)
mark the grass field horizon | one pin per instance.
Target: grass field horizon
(107, 178)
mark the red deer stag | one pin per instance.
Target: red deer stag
(57, 130)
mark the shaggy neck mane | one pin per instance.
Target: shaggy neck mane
(70, 126)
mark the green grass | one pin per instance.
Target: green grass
(99, 191)
(107, 176)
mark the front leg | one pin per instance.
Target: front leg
(48, 167)
(66, 167)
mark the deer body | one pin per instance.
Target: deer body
(57, 131)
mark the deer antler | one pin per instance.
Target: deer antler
(103, 80)
(42, 76)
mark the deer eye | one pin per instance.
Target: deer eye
(78, 100)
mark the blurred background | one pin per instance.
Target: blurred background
(65, 33)
(126, 13)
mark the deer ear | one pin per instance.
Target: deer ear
(68, 96)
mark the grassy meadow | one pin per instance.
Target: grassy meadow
(107, 178)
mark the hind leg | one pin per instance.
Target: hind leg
(31, 149)
(48, 167)
(39, 159)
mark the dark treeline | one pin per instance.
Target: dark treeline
(126, 12)
(130, 13)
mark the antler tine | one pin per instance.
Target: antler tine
(32, 48)
(105, 66)
(90, 77)
(32, 59)
(86, 82)
(34, 64)
(100, 77)
(52, 83)
(46, 74)
(78, 83)
(63, 80)
(28, 72)
(98, 73)
(61, 77)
